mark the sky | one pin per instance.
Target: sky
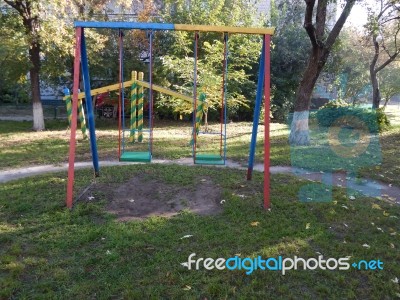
(358, 15)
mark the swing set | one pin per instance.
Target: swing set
(127, 136)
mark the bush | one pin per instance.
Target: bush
(339, 113)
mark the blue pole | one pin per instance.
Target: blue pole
(89, 107)
(257, 108)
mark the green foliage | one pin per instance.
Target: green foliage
(339, 113)
(14, 64)
(176, 64)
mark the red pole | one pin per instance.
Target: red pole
(267, 145)
(74, 118)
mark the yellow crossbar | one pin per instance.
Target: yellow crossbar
(165, 91)
(227, 29)
(127, 84)
(105, 89)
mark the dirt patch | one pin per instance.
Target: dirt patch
(141, 198)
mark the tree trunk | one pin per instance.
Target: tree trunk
(299, 132)
(29, 12)
(321, 46)
(34, 57)
(376, 95)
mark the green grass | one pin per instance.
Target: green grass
(48, 252)
(22, 147)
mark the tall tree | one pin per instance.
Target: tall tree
(384, 30)
(322, 41)
(29, 13)
(14, 64)
(288, 55)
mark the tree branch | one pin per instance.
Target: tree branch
(339, 24)
(388, 61)
(308, 25)
(12, 4)
(321, 19)
(376, 55)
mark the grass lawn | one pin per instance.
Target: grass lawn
(48, 252)
(22, 147)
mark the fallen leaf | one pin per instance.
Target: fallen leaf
(254, 224)
(187, 288)
(186, 236)
(376, 206)
(386, 214)
(308, 225)
(392, 245)
(344, 206)
(345, 225)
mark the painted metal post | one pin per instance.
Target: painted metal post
(82, 119)
(89, 107)
(74, 117)
(140, 110)
(226, 40)
(122, 88)
(132, 135)
(257, 108)
(267, 104)
(196, 41)
(199, 116)
(151, 114)
(68, 104)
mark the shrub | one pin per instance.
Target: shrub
(339, 113)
